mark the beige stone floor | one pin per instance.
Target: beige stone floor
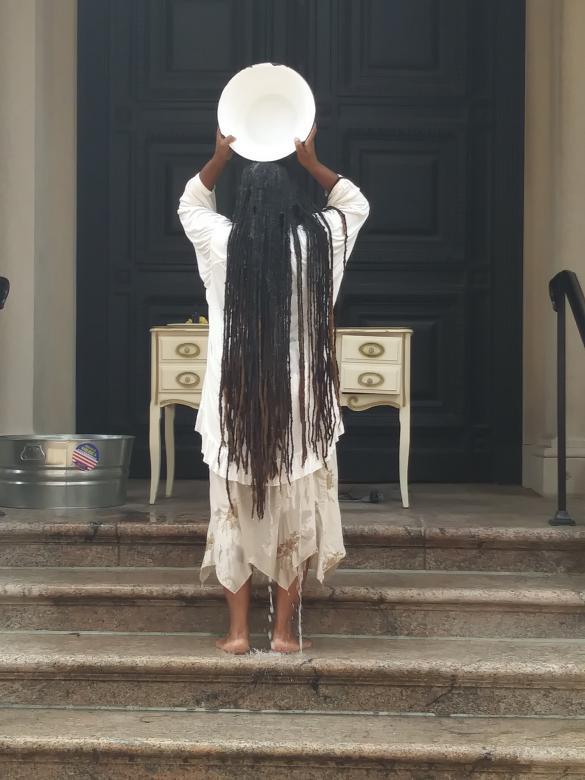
(440, 505)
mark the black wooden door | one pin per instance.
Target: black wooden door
(419, 101)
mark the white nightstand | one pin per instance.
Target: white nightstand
(178, 359)
(374, 366)
(374, 370)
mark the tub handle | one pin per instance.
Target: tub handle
(33, 452)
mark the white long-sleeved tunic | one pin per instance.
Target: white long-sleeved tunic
(209, 233)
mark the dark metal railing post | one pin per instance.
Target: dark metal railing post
(562, 517)
(4, 288)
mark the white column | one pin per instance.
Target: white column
(38, 43)
(17, 201)
(554, 233)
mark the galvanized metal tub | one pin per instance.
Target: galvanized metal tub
(64, 471)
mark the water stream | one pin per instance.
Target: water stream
(271, 609)
(300, 607)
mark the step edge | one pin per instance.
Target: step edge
(513, 537)
(421, 675)
(553, 599)
(491, 754)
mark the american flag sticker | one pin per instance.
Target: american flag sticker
(85, 456)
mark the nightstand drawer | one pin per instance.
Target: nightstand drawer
(187, 379)
(379, 349)
(363, 379)
(183, 347)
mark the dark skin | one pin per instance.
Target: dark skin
(213, 169)
(307, 157)
(284, 640)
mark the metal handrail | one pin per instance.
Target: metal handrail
(564, 286)
(4, 288)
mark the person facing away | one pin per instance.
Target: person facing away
(269, 416)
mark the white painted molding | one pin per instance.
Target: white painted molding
(539, 467)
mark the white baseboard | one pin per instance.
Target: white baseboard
(539, 468)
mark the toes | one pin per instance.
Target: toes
(234, 646)
(289, 645)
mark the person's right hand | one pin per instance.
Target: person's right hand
(223, 151)
(306, 154)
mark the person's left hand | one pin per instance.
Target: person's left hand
(223, 151)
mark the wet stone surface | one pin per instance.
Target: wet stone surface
(448, 528)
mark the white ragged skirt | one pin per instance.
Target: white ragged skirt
(301, 522)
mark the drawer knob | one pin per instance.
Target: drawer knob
(188, 379)
(370, 379)
(371, 349)
(188, 349)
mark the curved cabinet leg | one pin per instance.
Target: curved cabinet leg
(154, 444)
(404, 416)
(170, 447)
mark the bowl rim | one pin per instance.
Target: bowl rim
(239, 146)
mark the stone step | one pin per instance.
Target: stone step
(50, 744)
(358, 602)
(436, 676)
(374, 540)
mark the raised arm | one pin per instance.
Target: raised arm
(213, 169)
(347, 208)
(342, 194)
(307, 157)
(197, 210)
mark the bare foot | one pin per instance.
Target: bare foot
(234, 645)
(289, 644)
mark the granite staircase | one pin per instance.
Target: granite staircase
(451, 644)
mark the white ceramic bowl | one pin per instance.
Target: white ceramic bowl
(266, 107)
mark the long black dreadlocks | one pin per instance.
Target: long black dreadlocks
(255, 402)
